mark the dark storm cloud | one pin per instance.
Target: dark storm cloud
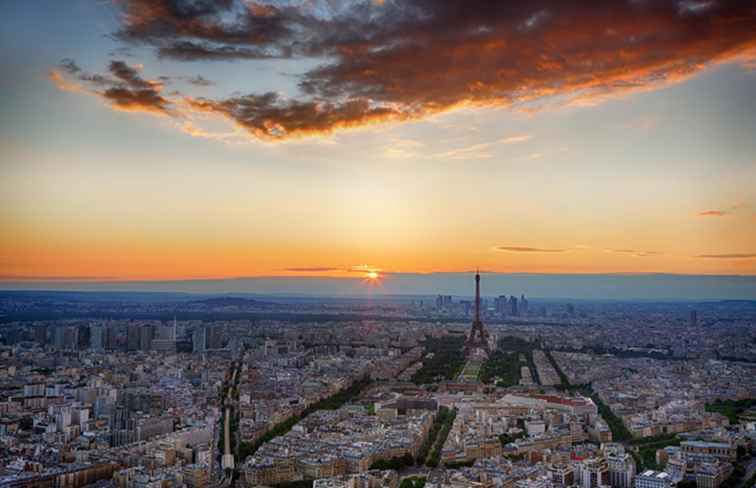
(162, 23)
(146, 100)
(193, 51)
(124, 88)
(128, 75)
(268, 116)
(408, 59)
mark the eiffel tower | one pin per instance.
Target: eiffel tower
(477, 340)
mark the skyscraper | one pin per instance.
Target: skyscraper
(501, 305)
(199, 340)
(109, 338)
(59, 337)
(84, 337)
(145, 337)
(164, 338)
(97, 338)
(40, 335)
(132, 337)
(214, 337)
(66, 338)
(443, 301)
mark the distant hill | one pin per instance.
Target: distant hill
(653, 286)
(227, 302)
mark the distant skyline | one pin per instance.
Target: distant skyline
(577, 286)
(177, 139)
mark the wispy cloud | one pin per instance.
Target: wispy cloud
(63, 84)
(232, 137)
(516, 139)
(362, 268)
(199, 80)
(635, 252)
(728, 256)
(400, 148)
(359, 268)
(645, 123)
(529, 249)
(11, 277)
(713, 213)
(721, 212)
(407, 143)
(474, 151)
(313, 269)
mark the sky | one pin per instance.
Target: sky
(181, 139)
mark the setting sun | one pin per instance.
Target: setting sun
(372, 275)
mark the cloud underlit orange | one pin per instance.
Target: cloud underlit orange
(409, 59)
(123, 87)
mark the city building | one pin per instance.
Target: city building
(653, 479)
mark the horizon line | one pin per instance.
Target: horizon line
(117, 279)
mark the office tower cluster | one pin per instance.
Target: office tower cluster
(130, 336)
(443, 301)
(206, 338)
(501, 306)
(511, 306)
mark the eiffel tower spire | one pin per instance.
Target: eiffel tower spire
(477, 340)
(477, 296)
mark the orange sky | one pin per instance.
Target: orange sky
(115, 225)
